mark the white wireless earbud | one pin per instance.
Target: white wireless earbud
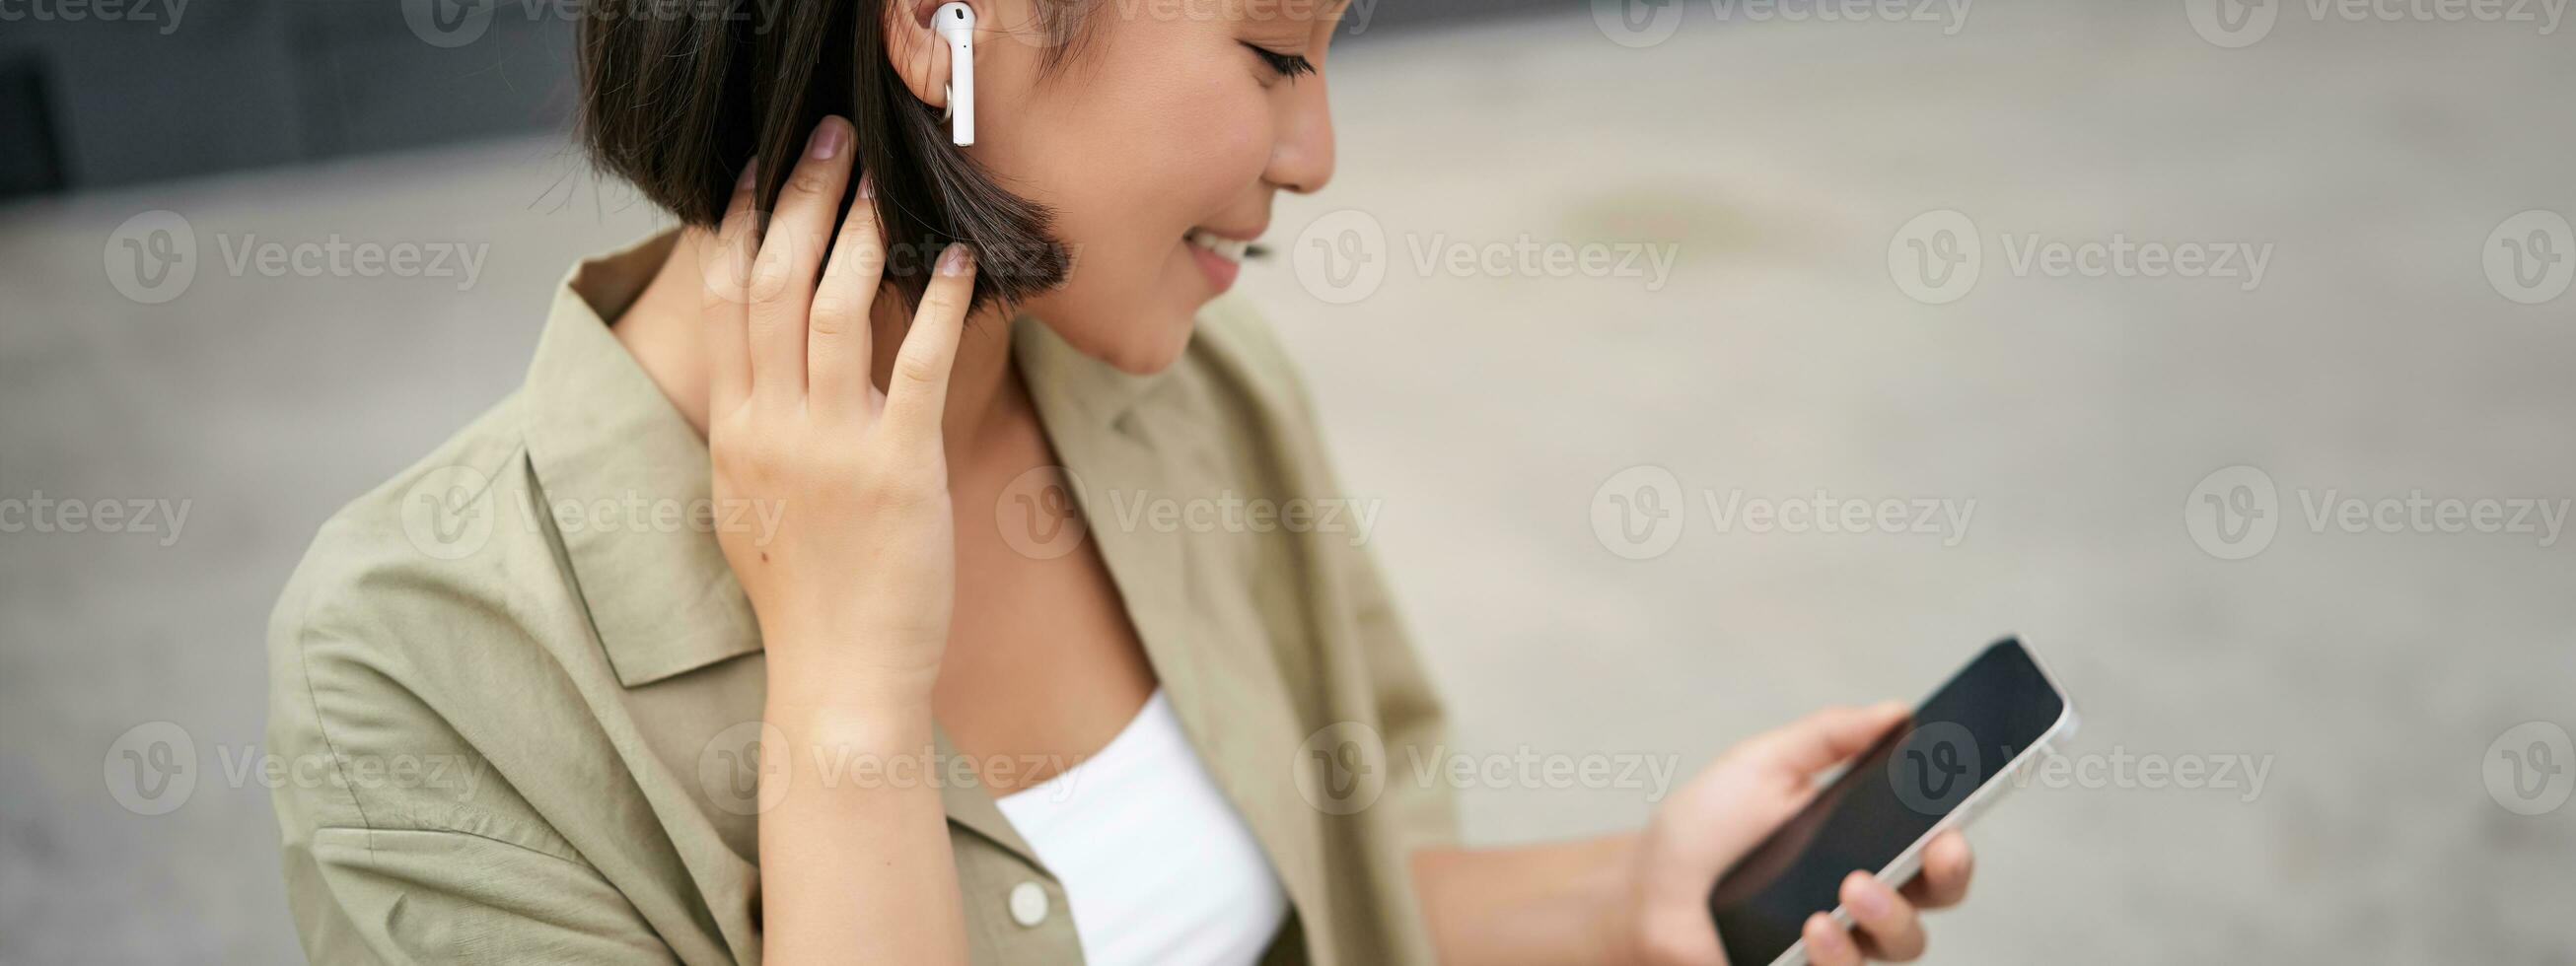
(955, 23)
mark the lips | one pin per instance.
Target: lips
(1230, 249)
(1219, 257)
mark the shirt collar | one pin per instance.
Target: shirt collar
(603, 439)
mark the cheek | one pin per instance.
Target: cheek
(1132, 151)
(1157, 125)
(1155, 156)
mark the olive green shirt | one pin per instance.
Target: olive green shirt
(527, 686)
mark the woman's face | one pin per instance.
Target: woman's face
(1165, 121)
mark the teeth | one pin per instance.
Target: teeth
(1226, 248)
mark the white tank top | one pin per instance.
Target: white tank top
(1154, 861)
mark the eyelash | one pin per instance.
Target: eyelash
(1285, 65)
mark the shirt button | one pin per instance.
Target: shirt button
(1028, 904)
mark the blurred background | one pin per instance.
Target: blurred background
(2220, 349)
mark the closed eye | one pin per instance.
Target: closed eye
(1285, 65)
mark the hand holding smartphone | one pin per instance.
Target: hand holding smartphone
(1934, 773)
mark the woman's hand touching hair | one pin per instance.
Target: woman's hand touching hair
(855, 588)
(859, 578)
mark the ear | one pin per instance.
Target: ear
(917, 53)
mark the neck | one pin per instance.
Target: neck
(664, 332)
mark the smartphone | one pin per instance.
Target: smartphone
(1931, 774)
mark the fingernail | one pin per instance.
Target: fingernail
(750, 170)
(1830, 937)
(827, 140)
(953, 261)
(867, 185)
(1868, 898)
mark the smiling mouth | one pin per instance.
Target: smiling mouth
(1229, 249)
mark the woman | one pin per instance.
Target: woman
(787, 485)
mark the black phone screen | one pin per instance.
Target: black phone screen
(1894, 793)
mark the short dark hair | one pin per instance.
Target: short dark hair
(677, 96)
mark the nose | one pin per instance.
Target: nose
(1301, 159)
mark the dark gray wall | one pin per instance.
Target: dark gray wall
(131, 92)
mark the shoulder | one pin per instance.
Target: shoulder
(422, 538)
(411, 607)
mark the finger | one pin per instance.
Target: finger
(1889, 928)
(1947, 865)
(836, 347)
(791, 252)
(1827, 737)
(918, 391)
(724, 267)
(1828, 944)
